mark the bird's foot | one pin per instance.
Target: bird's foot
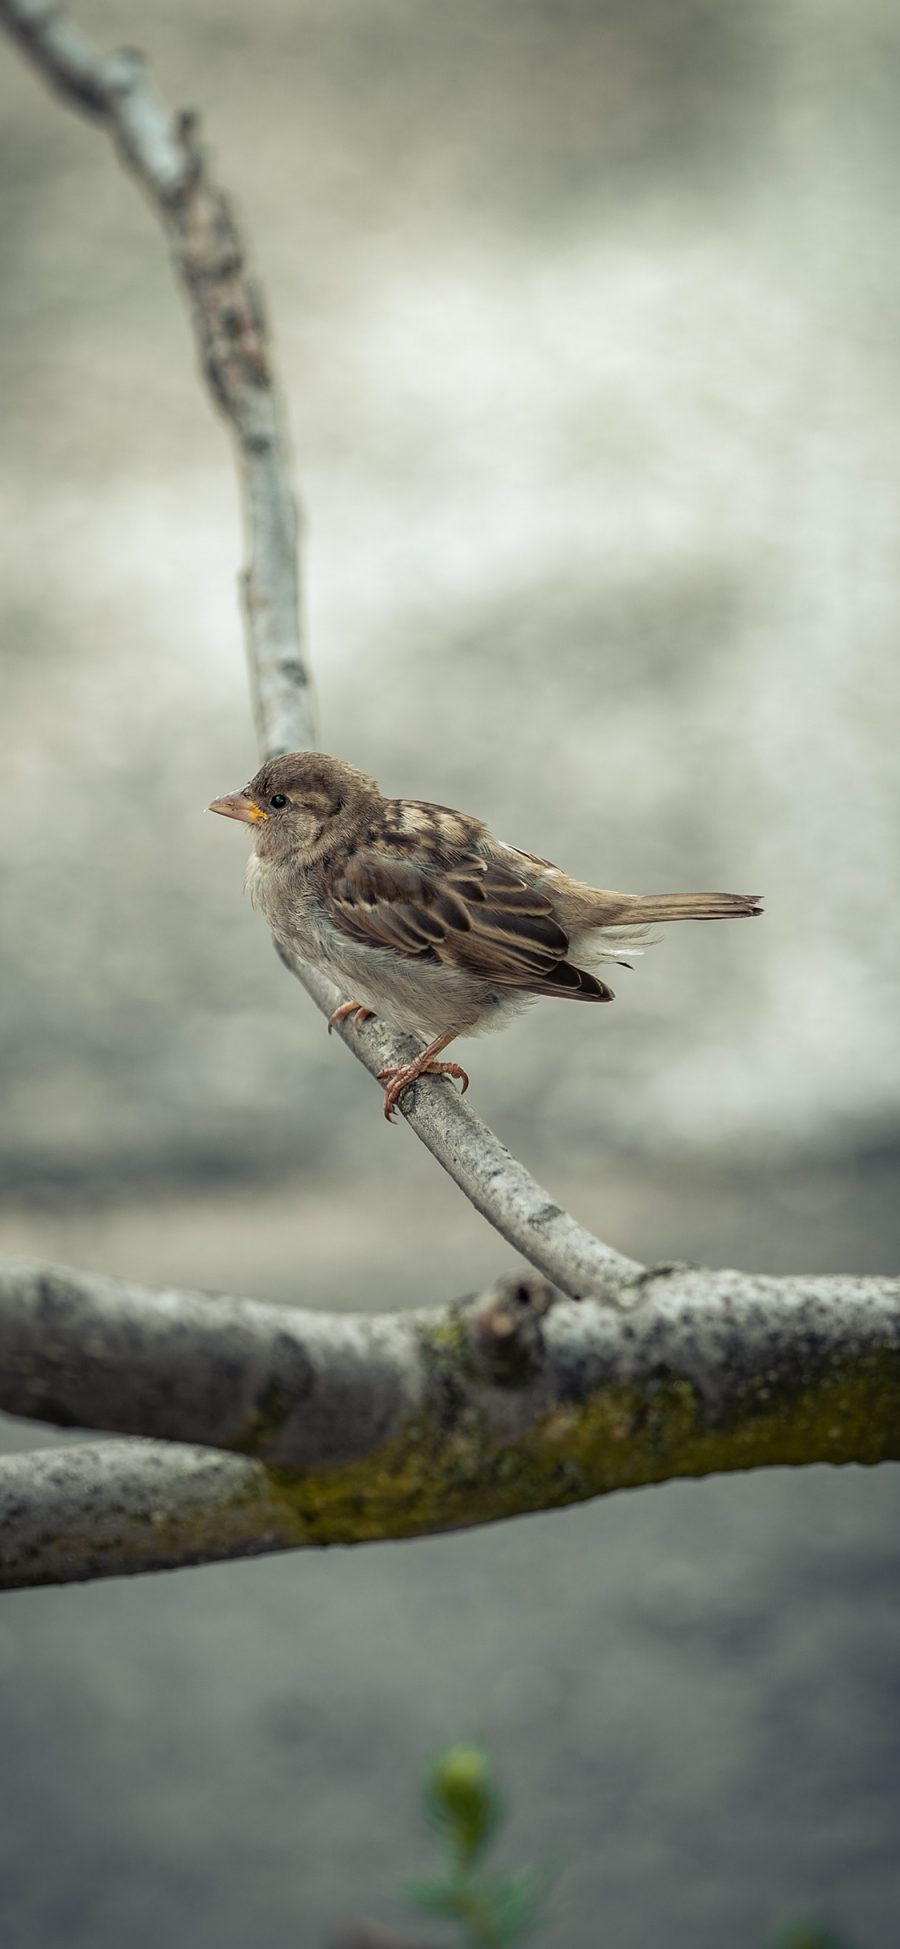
(399, 1079)
(347, 1009)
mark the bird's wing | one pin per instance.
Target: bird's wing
(474, 914)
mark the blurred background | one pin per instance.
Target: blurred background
(586, 314)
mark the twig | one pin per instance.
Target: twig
(408, 1425)
(495, 1182)
(162, 150)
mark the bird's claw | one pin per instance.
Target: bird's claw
(399, 1079)
(347, 1009)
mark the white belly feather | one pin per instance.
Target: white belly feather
(419, 996)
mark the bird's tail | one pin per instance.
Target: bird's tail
(647, 909)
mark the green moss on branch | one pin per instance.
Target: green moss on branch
(440, 1476)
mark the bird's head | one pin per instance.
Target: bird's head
(295, 804)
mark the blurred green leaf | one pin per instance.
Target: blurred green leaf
(465, 1807)
(495, 1913)
(462, 1800)
(514, 1903)
(448, 1897)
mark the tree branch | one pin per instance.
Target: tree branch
(494, 1181)
(162, 150)
(114, 1508)
(411, 1424)
(345, 1430)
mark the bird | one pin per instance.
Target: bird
(423, 917)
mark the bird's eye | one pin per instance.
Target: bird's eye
(278, 800)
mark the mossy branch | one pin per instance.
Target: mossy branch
(352, 1429)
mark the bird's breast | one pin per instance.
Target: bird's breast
(282, 894)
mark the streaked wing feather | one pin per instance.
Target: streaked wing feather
(475, 915)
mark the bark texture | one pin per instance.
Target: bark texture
(354, 1429)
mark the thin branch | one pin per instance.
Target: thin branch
(494, 1181)
(409, 1425)
(162, 150)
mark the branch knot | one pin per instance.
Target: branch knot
(504, 1327)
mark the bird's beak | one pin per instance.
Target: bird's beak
(236, 805)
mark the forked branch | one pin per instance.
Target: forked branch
(408, 1424)
(354, 1429)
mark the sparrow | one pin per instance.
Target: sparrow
(423, 916)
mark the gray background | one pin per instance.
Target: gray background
(587, 317)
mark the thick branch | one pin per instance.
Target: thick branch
(113, 1508)
(407, 1425)
(162, 150)
(296, 1389)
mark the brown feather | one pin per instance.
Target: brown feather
(648, 909)
(478, 916)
